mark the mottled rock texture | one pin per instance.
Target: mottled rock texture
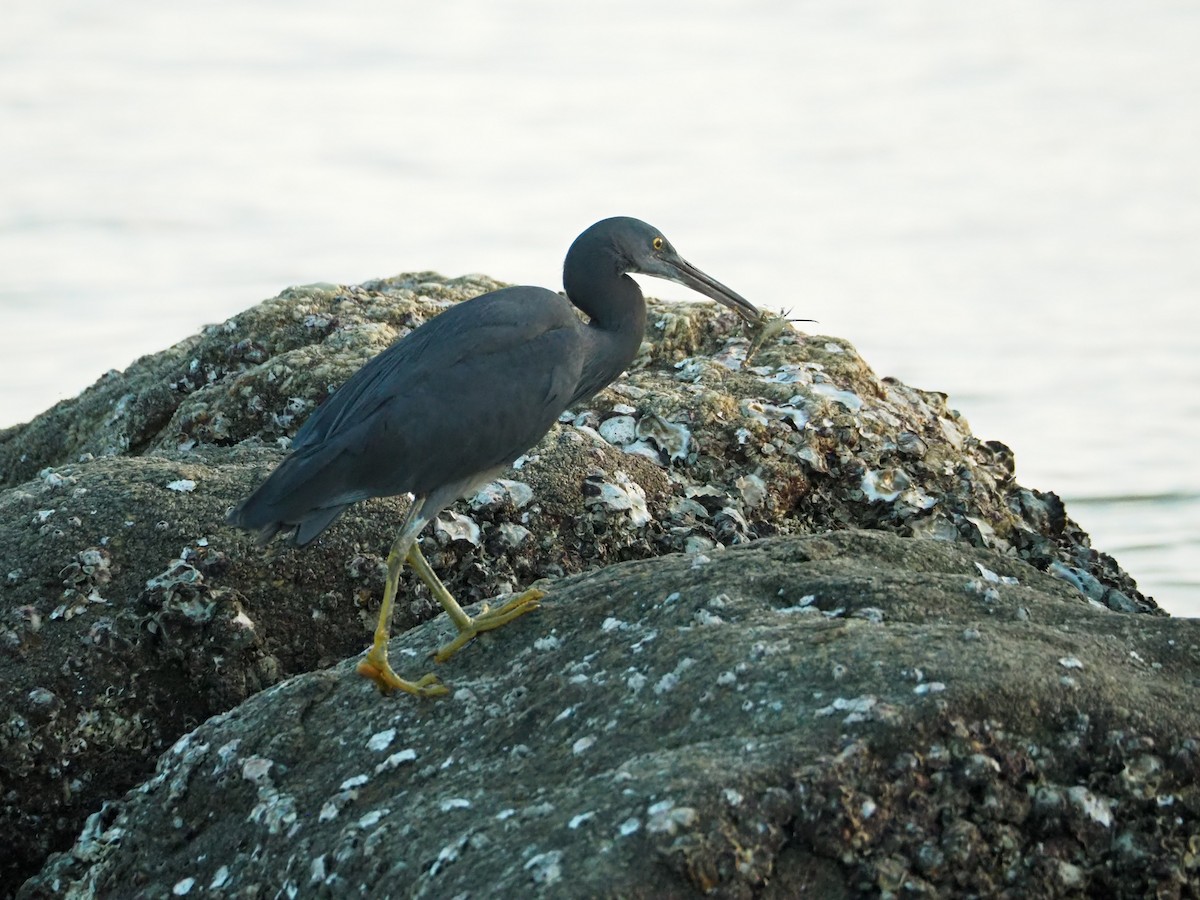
(849, 714)
(129, 613)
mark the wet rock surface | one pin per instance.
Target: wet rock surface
(129, 613)
(836, 715)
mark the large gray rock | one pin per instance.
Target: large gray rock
(838, 715)
(129, 613)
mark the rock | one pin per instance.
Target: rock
(728, 726)
(839, 446)
(129, 613)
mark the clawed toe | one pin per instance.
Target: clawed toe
(490, 619)
(376, 668)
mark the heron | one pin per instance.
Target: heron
(449, 406)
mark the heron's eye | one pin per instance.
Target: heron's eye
(657, 243)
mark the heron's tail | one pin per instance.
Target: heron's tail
(297, 495)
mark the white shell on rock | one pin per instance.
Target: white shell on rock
(690, 369)
(619, 430)
(452, 526)
(733, 355)
(753, 490)
(496, 493)
(512, 535)
(765, 413)
(646, 449)
(622, 494)
(848, 399)
(934, 528)
(673, 438)
(885, 485)
(814, 460)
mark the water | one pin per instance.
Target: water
(998, 203)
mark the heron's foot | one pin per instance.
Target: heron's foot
(489, 619)
(376, 667)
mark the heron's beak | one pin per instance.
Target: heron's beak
(680, 270)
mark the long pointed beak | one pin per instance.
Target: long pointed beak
(682, 271)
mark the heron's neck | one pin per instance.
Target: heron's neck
(616, 326)
(610, 298)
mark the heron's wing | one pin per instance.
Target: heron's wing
(474, 415)
(366, 388)
(510, 317)
(461, 396)
(468, 391)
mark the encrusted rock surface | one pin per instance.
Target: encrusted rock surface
(849, 714)
(129, 613)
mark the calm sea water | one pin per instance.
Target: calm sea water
(999, 203)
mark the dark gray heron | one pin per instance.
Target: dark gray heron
(449, 406)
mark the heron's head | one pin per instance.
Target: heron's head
(641, 248)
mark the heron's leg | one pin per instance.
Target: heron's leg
(467, 626)
(375, 665)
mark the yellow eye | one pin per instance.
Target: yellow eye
(657, 243)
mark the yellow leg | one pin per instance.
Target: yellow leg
(469, 627)
(375, 666)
